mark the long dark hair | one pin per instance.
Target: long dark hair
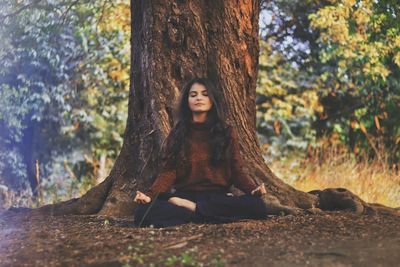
(176, 146)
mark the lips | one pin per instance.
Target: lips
(198, 104)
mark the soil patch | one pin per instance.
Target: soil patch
(330, 239)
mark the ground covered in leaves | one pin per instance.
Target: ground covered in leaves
(331, 239)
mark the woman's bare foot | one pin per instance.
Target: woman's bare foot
(183, 203)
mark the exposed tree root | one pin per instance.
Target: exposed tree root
(331, 199)
(342, 199)
(89, 203)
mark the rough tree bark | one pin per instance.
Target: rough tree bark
(172, 41)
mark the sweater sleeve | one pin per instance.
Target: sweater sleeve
(239, 178)
(163, 182)
(166, 178)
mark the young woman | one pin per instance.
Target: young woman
(201, 161)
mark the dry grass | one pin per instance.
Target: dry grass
(10, 198)
(374, 181)
(50, 193)
(331, 166)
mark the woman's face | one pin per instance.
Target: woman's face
(198, 99)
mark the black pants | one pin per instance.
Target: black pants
(211, 207)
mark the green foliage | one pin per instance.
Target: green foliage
(65, 80)
(12, 163)
(13, 108)
(286, 103)
(35, 79)
(348, 51)
(100, 110)
(360, 42)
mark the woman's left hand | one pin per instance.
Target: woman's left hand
(259, 191)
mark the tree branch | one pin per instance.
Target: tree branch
(103, 8)
(64, 15)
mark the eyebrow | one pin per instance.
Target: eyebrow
(193, 91)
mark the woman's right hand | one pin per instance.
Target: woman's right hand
(141, 198)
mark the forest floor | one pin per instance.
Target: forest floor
(329, 239)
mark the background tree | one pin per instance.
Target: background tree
(288, 101)
(35, 84)
(360, 49)
(64, 86)
(343, 52)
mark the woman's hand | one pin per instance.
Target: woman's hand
(259, 191)
(141, 198)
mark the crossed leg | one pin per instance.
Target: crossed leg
(182, 202)
(213, 208)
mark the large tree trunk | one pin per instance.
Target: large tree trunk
(172, 41)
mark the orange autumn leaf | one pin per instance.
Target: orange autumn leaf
(362, 127)
(377, 124)
(277, 127)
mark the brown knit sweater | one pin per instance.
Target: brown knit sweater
(204, 176)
